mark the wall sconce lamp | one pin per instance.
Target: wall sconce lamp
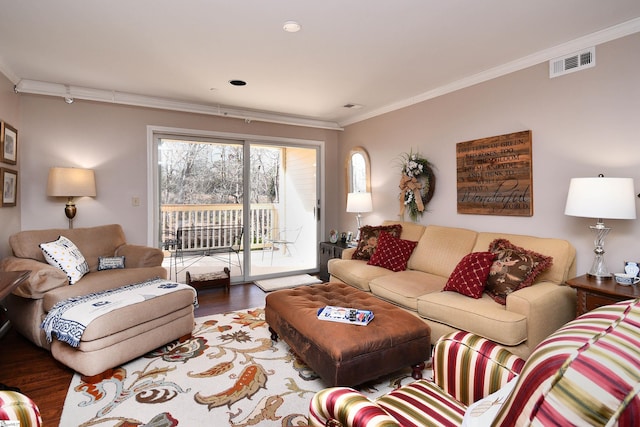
(611, 198)
(70, 183)
(359, 203)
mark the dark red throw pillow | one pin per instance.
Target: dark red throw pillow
(369, 239)
(392, 253)
(470, 275)
(514, 268)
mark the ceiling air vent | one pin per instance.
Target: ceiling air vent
(573, 62)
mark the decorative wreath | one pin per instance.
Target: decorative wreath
(417, 184)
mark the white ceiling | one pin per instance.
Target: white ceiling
(381, 54)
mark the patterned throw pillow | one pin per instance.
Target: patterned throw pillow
(470, 275)
(369, 239)
(514, 268)
(391, 252)
(110, 262)
(62, 253)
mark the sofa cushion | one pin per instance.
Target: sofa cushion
(110, 263)
(391, 252)
(422, 403)
(469, 278)
(369, 239)
(563, 253)
(513, 268)
(404, 287)
(24, 244)
(410, 230)
(484, 411)
(98, 281)
(65, 255)
(441, 248)
(482, 316)
(356, 273)
(42, 279)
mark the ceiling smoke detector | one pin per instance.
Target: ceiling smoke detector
(291, 27)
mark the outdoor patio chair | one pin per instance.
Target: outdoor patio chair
(285, 238)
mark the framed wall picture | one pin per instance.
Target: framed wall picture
(9, 143)
(9, 180)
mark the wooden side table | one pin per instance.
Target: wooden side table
(593, 293)
(9, 280)
(328, 251)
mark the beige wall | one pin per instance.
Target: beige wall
(112, 139)
(583, 124)
(10, 113)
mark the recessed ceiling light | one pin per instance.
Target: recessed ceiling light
(238, 82)
(291, 27)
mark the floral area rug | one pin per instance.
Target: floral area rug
(228, 373)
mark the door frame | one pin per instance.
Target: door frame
(246, 139)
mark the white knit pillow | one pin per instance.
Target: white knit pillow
(65, 255)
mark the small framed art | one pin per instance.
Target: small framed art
(9, 180)
(9, 143)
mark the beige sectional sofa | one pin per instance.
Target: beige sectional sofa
(529, 316)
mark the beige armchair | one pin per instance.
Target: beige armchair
(47, 285)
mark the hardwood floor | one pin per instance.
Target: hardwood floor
(43, 379)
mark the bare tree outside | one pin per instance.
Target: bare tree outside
(211, 173)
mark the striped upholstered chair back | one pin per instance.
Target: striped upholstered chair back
(586, 373)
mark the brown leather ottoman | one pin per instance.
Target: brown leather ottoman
(343, 354)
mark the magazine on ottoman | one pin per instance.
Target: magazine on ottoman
(345, 315)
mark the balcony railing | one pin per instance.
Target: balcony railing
(263, 218)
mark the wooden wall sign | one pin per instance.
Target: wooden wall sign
(495, 175)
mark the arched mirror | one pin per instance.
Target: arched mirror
(358, 171)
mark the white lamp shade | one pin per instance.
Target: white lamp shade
(71, 182)
(359, 202)
(601, 197)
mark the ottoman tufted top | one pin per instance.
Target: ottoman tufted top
(390, 328)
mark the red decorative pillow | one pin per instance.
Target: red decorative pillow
(392, 253)
(470, 275)
(514, 268)
(369, 239)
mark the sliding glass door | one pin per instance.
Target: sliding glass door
(290, 230)
(207, 188)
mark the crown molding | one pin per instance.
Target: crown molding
(99, 95)
(594, 39)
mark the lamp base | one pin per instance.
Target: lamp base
(358, 220)
(599, 268)
(70, 211)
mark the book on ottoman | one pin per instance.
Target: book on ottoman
(345, 315)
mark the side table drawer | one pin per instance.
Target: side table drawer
(597, 300)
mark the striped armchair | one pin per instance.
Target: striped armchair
(586, 373)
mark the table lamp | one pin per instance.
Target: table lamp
(70, 183)
(359, 203)
(601, 197)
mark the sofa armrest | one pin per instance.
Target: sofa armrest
(136, 256)
(43, 278)
(344, 406)
(347, 253)
(546, 305)
(469, 367)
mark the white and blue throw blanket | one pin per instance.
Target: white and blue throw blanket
(69, 318)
